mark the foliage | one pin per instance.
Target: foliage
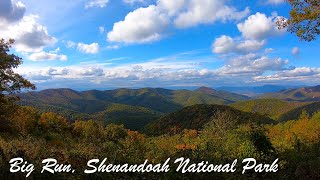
(294, 114)
(132, 107)
(196, 116)
(10, 82)
(272, 108)
(304, 19)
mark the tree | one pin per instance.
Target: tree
(10, 82)
(53, 122)
(304, 19)
(87, 129)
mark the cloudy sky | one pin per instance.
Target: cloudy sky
(103, 44)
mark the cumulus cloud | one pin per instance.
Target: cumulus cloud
(96, 3)
(226, 44)
(208, 11)
(56, 72)
(254, 33)
(171, 7)
(88, 48)
(301, 74)
(30, 36)
(151, 23)
(165, 71)
(253, 65)
(140, 26)
(11, 11)
(92, 71)
(259, 26)
(43, 56)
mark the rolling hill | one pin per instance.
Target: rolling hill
(232, 97)
(273, 108)
(294, 114)
(122, 105)
(196, 116)
(301, 94)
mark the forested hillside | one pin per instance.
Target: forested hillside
(272, 108)
(301, 94)
(132, 107)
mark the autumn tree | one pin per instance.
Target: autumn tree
(53, 122)
(304, 19)
(10, 82)
(87, 129)
(115, 132)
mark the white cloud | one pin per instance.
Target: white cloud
(301, 74)
(11, 11)
(96, 3)
(164, 71)
(151, 23)
(88, 48)
(92, 71)
(226, 44)
(171, 7)
(140, 26)
(30, 36)
(255, 30)
(275, 2)
(42, 56)
(223, 44)
(295, 51)
(259, 26)
(56, 72)
(253, 65)
(208, 11)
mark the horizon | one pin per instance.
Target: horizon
(190, 88)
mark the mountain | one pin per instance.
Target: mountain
(255, 90)
(112, 105)
(294, 114)
(224, 94)
(273, 108)
(196, 116)
(300, 94)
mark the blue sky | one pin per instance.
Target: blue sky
(103, 44)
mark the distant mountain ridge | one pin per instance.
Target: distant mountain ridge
(299, 94)
(142, 104)
(255, 90)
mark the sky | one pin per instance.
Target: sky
(105, 44)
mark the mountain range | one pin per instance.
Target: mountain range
(254, 91)
(299, 94)
(132, 107)
(135, 108)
